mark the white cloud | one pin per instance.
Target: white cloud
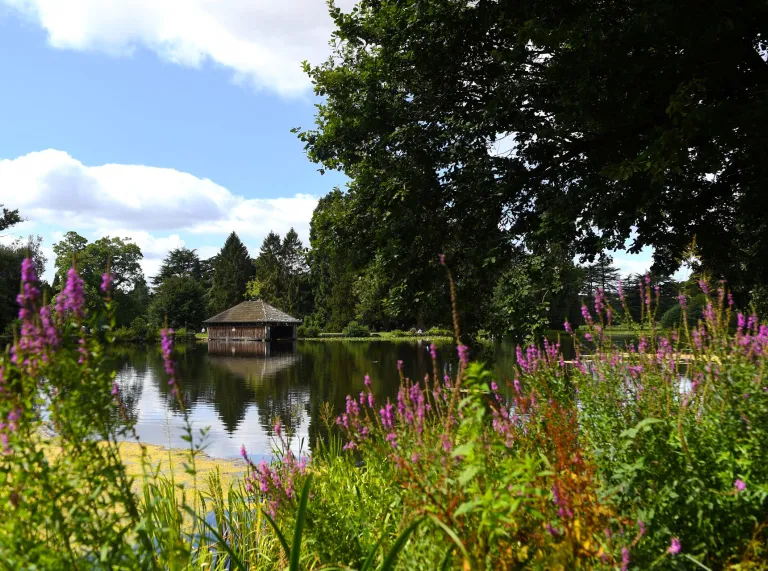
(158, 208)
(641, 263)
(262, 41)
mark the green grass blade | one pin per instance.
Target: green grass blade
(446, 564)
(368, 563)
(389, 560)
(700, 564)
(279, 534)
(301, 518)
(234, 558)
(452, 534)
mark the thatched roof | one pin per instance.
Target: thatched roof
(253, 312)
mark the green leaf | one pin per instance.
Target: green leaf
(454, 537)
(468, 474)
(642, 425)
(389, 560)
(301, 518)
(466, 507)
(220, 541)
(463, 450)
(280, 536)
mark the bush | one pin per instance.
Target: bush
(181, 333)
(398, 333)
(308, 331)
(355, 329)
(673, 317)
(139, 329)
(124, 335)
(438, 332)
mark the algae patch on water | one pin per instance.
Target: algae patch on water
(174, 461)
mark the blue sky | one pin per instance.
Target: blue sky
(166, 121)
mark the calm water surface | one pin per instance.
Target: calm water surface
(238, 390)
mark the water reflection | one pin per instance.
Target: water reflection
(239, 389)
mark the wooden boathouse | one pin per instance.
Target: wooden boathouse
(251, 321)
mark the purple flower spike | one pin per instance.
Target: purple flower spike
(585, 314)
(740, 485)
(243, 452)
(166, 348)
(399, 365)
(624, 559)
(106, 281)
(115, 389)
(72, 298)
(442, 259)
(278, 427)
(463, 351)
(367, 381)
(568, 328)
(674, 546)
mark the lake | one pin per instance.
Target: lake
(239, 389)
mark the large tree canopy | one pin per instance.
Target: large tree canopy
(180, 263)
(232, 269)
(623, 122)
(281, 274)
(179, 301)
(92, 259)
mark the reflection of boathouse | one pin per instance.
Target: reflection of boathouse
(234, 357)
(251, 321)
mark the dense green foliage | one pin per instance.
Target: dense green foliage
(282, 274)
(180, 300)
(232, 269)
(11, 257)
(179, 263)
(355, 329)
(490, 130)
(9, 218)
(122, 257)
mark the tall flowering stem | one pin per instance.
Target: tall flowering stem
(72, 298)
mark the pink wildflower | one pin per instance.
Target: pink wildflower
(106, 281)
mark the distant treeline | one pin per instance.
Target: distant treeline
(322, 287)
